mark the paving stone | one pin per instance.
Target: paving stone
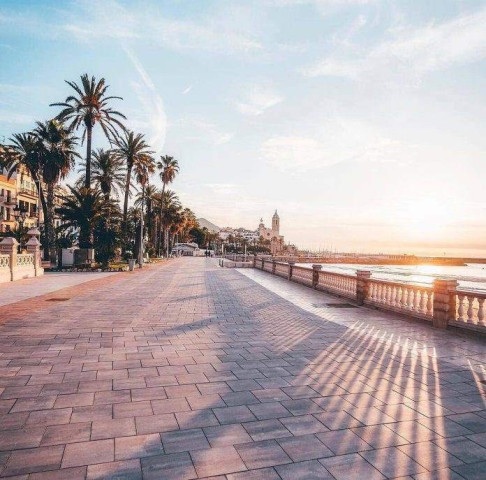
(196, 419)
(311, 470)
(138, 446)
(122, 470)
(463, 448)
(184, 440)
(87, 453)
(304, 447)
(266, 429)
(267, 453)
(343, 441)
(225, 435)
(176, 466)
(473, 471)
(22, 438)
(68, 433)
(236, 414)
(392, 462)
(303, 424)
(119, 427)
(75, 473)
(430, 455)
(156, 423)
(351, 467)
(471, 421)
(217, 461)
(258, 474)
(33, 460)
(267, 410)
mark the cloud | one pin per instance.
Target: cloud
(108, 19)
(200, 129)
(187, 90)
(257, 100)
(412, 51)
(154, 115)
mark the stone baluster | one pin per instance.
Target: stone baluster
(362, 285)
(315, 275)
(470, 309)
(444, 302)
(460, 312)
(430, 304)
(9, 246)
(481, 311)
(274, 266)
(33, 247)
(291, 268)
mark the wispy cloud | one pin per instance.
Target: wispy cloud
(187, 90)
(202, 130)
(257, 99)
(415, 51)
(108, 19)
(153, 116)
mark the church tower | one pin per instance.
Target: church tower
(275, 224)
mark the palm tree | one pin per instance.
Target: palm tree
(24, 151)
(169, 168)
(57, 145)
(171, 205)
(108, 172)
(83, 209)
(134, 151)
(89, 107)
(148, 198)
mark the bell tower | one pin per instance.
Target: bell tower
(275, 223)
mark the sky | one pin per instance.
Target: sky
(361, 121)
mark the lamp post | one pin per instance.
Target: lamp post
(20, 215)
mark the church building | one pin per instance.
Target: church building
(272, 234)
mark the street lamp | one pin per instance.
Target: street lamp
(20, 215)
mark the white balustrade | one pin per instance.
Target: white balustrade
(4, 261)
(337, 283)
(411, 299)
(25, 260)
(302, 275)
(470, 308)
(282, 269)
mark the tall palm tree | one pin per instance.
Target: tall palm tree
(169, 168)
(58, 155)
(135, 152)
(171, 205)
(88, 107)
(108, 172)
(24, 150)
(148, 198)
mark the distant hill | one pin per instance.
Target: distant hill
(203, 223)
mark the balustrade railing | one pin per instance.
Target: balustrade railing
(25, 260)
(282, 269)
(4, 261)
(443, 303)
(337, 283)
(302, 275)
(470, 309)
(414, 300)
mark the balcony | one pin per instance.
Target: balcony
(31, 192)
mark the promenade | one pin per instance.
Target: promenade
(187, 370)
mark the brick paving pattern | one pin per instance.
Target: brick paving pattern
(187, 370)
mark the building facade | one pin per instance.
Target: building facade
(272, 234)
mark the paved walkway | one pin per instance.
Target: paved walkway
(190, 371)
(11, 292)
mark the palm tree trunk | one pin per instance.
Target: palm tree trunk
(89, 132)
(159, 249)
(127, 193)
(51, 234)
(43, 205)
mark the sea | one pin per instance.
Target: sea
(470, 277)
